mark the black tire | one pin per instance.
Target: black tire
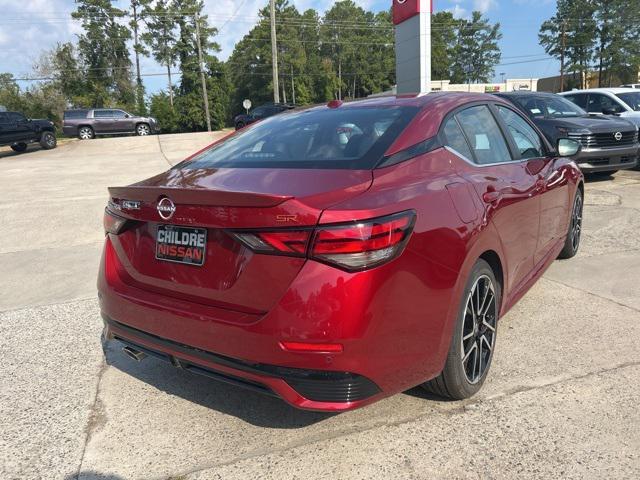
(19, 147)
(48, 140)
(86, 133)
(574, 233)
(239, 125)
(472, 333)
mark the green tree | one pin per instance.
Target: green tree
(576, 18)
(190, 103)
(160, 37)
(476, 52)
(10, 97)
(443, 41)
(104, 53)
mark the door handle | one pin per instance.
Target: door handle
(491, 196)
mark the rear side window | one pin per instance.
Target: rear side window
(75, 114)
(528, 141)
(103, 114)
(578, 99)
(455, 139)
(484, 134)
(344, 138)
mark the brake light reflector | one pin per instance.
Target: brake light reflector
(113, 223)
(303, 347)
(364, 244)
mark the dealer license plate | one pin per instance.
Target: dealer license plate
(181, 244)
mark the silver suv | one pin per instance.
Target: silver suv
(86, 124)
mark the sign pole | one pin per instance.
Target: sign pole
(412, 20)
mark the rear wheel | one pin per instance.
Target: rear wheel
(142, 129)
(572, 242)
(85, 133)
(19, 147)
(48, 140)
(473, 339)
(239, 125)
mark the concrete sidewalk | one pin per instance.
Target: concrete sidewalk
(561, 400)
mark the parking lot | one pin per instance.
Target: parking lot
(561, 399)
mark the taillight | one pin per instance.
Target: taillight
(113, 223)
(350, 246)
(277, 242)
(365, 244)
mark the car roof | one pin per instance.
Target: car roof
(527, 93)
(602, 90)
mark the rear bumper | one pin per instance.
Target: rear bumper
(308, 389)
(389, 322)
(607, 159)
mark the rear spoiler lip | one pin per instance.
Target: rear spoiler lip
(192, 196)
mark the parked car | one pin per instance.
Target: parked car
(19, 131)
(621, 102)
(87, 123)
(260, 113)
(631, 85)
(332, 274)
(608, 143)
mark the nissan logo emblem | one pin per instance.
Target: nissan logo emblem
(166, 208)
(617, 136)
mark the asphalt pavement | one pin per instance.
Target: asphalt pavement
(561, 400)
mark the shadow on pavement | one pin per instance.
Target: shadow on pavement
(91, 475)
(251, 407)
(6, 153)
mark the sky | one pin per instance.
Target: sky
(29, 27)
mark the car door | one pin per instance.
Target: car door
(552, 186)
(5, 131)
(579, 99)
(502, 182)
(21, 126)
(122, 122)
(103, 121)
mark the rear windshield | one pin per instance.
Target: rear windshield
(75, 114)
(348, 138)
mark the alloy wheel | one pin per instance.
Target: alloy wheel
(85, 133)
(576, 222)
(143, 130)
(50, 140)
(479, 329)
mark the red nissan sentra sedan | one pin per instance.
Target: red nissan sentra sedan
(340, 254)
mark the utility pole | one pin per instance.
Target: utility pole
(136, 47)
(563, 36)
(274, 53)
(205, 96)
(293, 87)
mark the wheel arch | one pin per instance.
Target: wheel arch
(493, 259)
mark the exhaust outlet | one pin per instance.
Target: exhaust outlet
(136, 355)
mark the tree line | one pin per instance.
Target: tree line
(601, 36)
(345, 53)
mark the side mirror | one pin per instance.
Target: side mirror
(126, 115)
(567, 147)
(609, 111)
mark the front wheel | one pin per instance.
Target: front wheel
(19, 147)
(143, 129)
(48, 141)
(572, 242)
(474, 337)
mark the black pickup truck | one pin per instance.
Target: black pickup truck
(19, 131)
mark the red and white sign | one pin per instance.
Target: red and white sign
(405, 9)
